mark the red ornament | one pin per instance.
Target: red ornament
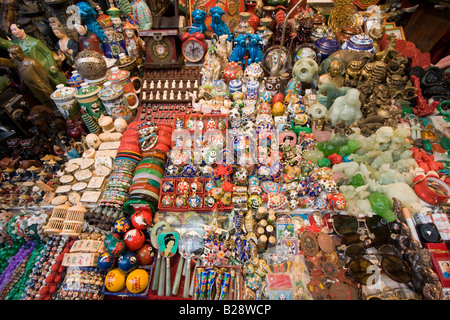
(134, 239)
(145, 254)
(279, 97)
(141, 218)
(335, 158)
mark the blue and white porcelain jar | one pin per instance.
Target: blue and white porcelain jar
(359, 42)
(235, 85)
(252, 89)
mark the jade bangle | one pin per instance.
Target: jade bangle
(151, 171)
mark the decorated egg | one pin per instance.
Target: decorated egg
(115, 280)
(105, 261)
(127, 262)
(278, 109)
(110, 237)
(137, 281)
(134, 239)
(122, 225)
(145, 254)
(279, 97)
(141, 218)
(116, 248)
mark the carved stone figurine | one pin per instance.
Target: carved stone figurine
(346, 108)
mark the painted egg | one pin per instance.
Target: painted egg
(141, 218)
(134, 239)
(115, 280)
(106, 261)
(116, 248)
(145, 255)
(127, 262)
(122, 225)
(137, 281)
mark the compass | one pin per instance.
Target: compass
(161, 48)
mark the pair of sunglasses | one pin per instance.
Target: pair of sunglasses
(390, 261)
(371, 231)
(393, 294)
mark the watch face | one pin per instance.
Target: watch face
(193, 50)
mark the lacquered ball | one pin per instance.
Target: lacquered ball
(134, 239)
(116, 248)
(137, 281)
(141, 218)
(122, 226)
(127, 262)
(145, 254)
(106, 261)
(115, 280)
(110, 237)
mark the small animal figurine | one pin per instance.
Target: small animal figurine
(239, 49)
(218, 26)
(199, 21)
(254, 49)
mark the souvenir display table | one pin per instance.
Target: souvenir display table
(238, 150)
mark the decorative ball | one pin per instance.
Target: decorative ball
(110, 237)
(134, 239)
(145, 254)
(120, 124)
(128, 261)
(90, 65)
(278, 109)
(116, 248)
(115, 280)
(122, 226)
(141, 218)
(106, 261)
(279, 97)
(137, 281)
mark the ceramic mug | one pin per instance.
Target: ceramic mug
(117, 102)
(88, 99)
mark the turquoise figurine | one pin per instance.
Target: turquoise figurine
(218, 26)
(254, 49)
(239, 49)
(199, 21)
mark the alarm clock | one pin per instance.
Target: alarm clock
(193, 46)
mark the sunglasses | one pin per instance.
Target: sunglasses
(371, 231)
(393, 294)
(390, 260)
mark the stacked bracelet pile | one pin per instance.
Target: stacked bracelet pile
(128, 156)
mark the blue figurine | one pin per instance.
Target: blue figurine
(254, 49)
(239, 49)
(89, 16)
(199, 21)
(218, 26)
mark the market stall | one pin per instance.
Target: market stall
(223, 150)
